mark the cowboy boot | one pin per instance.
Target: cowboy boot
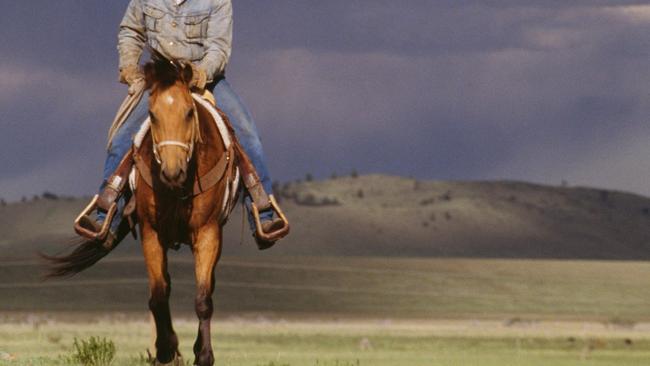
(268, 226)
(113, 237)
(106, 205)
(108, 242)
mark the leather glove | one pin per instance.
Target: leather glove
(199, 78)
(132, 76)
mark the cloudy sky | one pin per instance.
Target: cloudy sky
(540, 90)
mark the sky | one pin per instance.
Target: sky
(543, 91)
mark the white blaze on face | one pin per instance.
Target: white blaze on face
(169, 99)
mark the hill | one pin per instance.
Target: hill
(391, 216)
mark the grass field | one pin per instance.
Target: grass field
(354, 287)
(350, 343)
(279, 311)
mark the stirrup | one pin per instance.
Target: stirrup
(274, 235)
(103, 232)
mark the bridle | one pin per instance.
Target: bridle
(188, 147)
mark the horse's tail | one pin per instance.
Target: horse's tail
(85, 254)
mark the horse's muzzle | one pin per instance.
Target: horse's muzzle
(173, 176)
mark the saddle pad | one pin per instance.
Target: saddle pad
(231, 190)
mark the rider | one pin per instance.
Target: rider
(198, 31)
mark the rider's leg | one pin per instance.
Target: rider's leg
(244, 125)
(120, 146)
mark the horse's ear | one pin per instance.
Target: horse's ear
(187, 73)
(149, 74)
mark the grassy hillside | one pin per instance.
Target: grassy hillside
(392, 216)
(354, 288)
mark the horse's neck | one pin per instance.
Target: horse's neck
(211, 149)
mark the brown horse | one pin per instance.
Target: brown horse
(183, 146)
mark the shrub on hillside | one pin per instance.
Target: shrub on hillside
(311, 199)
(446, 196)
(427, 201)
(50, 196)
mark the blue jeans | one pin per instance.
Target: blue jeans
(242, 122)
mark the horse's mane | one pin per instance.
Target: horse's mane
(162, 72)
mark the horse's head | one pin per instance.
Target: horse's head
(174, 119)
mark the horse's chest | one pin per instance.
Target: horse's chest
(179, 219)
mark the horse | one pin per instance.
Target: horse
(174, 204)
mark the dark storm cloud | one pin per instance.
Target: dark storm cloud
(543, 90)
(415, 27)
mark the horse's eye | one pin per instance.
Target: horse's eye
(190, 115)
(152, 117)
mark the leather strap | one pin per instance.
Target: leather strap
(251, 179)
(214, 176)
(203, 184)
(142, 167)
(248, 172)
(115, 184)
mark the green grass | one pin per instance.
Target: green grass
(245, 343)
(354, 287)
(308, 311)
(93, 351)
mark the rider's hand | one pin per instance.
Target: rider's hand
(199, 78)
(133, 77)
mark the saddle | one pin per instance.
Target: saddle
(233, 166)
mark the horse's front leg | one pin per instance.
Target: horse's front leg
(159, 290)
(206, 249)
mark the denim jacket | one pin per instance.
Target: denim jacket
(199, 31)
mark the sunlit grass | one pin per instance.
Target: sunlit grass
(348, 343)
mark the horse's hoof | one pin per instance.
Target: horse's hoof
(205, 359)
(177, 361)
